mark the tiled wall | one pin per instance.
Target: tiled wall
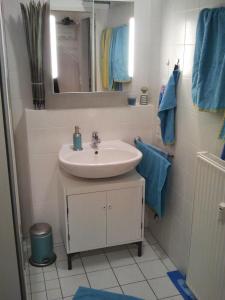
(48, 130)
(21, 98)
(196, 131)
(174, 35)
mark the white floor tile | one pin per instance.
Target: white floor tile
(120, 258)
(37, 287)
(150, 238)
(49, 268)
(77, 269)
(69, 285)
(52, 284)
(147, 254)
(153, 269)
(159, 251)
(179, 297)
(115, 289)
(54, 294)
(68, 298)
(36, 277)
(163, 287)
(95, 262)
(39, 296)
(169, 264)
(140, 290)
(102, 279)
(128, 274)
(34, 270)
(51, 275)
(60, 252)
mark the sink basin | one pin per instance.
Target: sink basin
(112, 158)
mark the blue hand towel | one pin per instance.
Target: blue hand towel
(167, 109)
(154, 167)
(119, 49)
(84, 293)
(208, 76)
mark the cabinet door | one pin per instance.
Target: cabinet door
(87, 221)
(124, 215)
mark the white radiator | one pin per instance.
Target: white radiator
(206, 270)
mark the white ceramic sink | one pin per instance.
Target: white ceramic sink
(112, 158)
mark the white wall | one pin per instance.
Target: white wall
(47, 130)
(112, 105)
(196, 131)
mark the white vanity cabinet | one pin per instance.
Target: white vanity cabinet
(99, 213)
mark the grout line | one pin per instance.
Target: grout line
(85, 270)
(58, 278)
(146, 279)
(128, 264)
(113, 271)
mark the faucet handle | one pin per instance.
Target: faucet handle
(94, 134)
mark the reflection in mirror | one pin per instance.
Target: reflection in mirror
(71, 48)
(92, 45)
(115, 38)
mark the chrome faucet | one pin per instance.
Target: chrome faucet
(95, 140)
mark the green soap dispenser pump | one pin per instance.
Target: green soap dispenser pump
(77, 141)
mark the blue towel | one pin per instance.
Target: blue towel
(119, 49)
(180, 283)
(92, 294)
(222, 132)
(167, 109)
(223, 153)
(154, 167)
(208, 76)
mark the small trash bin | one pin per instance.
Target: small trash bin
(41, 245)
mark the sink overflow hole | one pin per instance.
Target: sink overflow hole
(96, 152)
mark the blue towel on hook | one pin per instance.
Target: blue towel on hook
(154, 167)
(84, 293)
(208, 76)
(167, 109)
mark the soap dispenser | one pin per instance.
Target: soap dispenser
(77, 142)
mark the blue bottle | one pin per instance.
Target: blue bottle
(77, 141)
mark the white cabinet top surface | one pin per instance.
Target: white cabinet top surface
(74, 185)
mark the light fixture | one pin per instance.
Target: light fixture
(131, 47)
(54, 61)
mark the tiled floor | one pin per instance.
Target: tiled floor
(117, 269)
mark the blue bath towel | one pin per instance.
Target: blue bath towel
(167, 109)
(119, 49)
(180, 283)
(84, 293)
(154, 167)
(208, 76)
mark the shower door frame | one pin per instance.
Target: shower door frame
(11, 233)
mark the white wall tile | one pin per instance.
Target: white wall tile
(195, 131)
(48, 130)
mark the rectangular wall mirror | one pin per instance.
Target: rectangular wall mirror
(92, 45)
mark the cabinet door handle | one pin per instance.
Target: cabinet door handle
(104, 207)
(110, 206)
